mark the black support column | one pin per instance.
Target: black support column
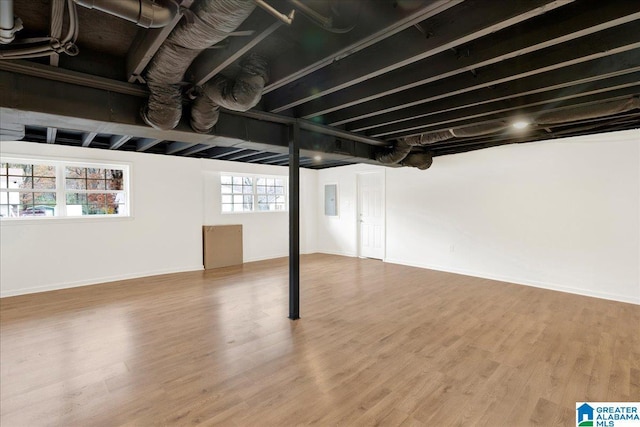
(294, 223)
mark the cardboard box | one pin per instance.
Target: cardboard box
(222, 245)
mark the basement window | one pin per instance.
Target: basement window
(253, 193)
(35, 188)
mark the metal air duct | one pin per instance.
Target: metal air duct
(9, 25)
(211, 21)
(145, 13)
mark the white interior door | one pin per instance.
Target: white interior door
(371, 214)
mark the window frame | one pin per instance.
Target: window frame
(254, 193)
(61, 191)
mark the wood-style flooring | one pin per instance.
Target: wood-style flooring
(377, 344)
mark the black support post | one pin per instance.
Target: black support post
(294, 223)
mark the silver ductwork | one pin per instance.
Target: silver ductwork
(589, 111)
(145, 13)
(210, 22)
(401, 154)
(239, 94)
(401, 151)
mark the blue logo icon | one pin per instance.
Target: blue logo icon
(585, 416)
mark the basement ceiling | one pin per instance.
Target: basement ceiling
(359, 77)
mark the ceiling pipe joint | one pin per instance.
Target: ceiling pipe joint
(144, 13)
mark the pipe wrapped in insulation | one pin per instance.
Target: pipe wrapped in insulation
(239, 94)
(400, 150)
(589, 111)
(421, 161)
(212, 21)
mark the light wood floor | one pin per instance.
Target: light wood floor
(377, 344)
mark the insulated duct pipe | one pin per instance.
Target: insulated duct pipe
(400, 153)
(239, 94)
(212, 21)
(8, 24)
(589, 111)
(145, 13)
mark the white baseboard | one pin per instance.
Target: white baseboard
(518, 281)
(94, 281)
(349, 254)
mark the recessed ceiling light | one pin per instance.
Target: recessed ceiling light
(520, 124)
(317, 158)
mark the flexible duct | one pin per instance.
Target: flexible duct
(400, 150)
(238, 94)
(212, 21)
(400, 153)
(421, 161)
(145, 13)
(589, 111)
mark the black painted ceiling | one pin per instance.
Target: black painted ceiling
(383, 70)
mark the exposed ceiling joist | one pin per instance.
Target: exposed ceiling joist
(384, 26)
(522, 39)
(177, 146)
(144, 144)
(118, 141)
(87, 138)
(51, 135)
(601, 45)
(561, 96)
(452, 28)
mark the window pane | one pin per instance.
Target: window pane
(47, 198)
(44, 183)
(44, 171)
(95, 173)
(247, 189)
(76, 184)
(270, 181)
(227, 208)
(20, 169)
(76, 199)
(247, 181)
(237, 189)
(237, 180)
(225, 189)
(75, 172)
(96, 209)
(261, 181)
(225, 179)
(261, 189)
(95, 184)
(237, 199)
(115, 179)
(20, 181)
(3, 169)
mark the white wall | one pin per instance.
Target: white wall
(172, 198)
(265, 234)
(339, 234)
(561, 214)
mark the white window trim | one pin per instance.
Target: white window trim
(60, 163)
(254, 180)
